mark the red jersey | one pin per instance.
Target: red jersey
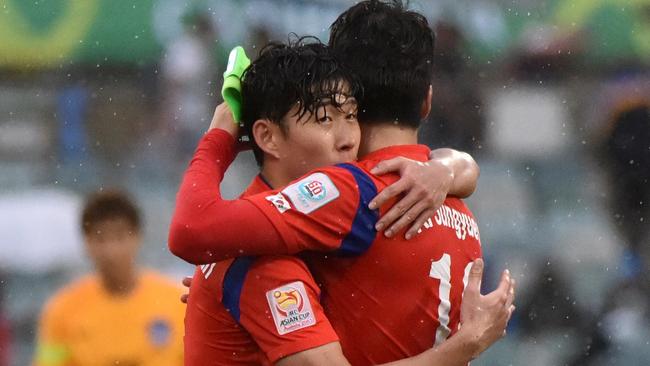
(400, 297)
(229, 319)
(206, 228)
(397, 300)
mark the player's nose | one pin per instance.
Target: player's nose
(346, 139)
(346, 142)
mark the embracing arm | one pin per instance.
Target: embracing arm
(206, 228)
(424, 187)
(465, 170)
(484, 319)
(450, 353)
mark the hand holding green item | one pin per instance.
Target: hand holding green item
(231, 90)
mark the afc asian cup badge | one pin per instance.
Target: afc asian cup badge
(290, 307)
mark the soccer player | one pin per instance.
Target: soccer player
(120, 315)
(392, 286)
(316, 135)
(270, 87)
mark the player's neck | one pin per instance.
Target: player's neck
(383, 135)
(120, 284)
(275, 174)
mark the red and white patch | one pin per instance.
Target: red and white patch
(279, 202)
(207, 269)
(290, 307)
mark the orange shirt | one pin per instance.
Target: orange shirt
(84, 325)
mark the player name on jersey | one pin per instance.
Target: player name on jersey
(460, 222)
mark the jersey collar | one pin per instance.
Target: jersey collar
(414, 152)
(259, 184)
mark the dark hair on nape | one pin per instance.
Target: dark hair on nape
(304, 72)
(109, 204)
(390, 49)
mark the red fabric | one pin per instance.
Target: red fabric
(267, 274)
(214, 337)
(202, 217)
(323, 229)
(384, 305)
(4, 342)
(206, 228)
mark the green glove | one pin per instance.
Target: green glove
(231, 90)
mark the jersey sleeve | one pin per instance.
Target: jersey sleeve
(205, 228)
(277, 301)
(51, 346)
(326, 210)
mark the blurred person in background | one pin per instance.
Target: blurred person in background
(120, 314)
(628, 152)
(456, 119)
(260, 35)
(620, 128)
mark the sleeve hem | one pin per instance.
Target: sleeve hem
(278, 353)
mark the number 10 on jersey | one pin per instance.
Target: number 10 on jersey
(441, 270)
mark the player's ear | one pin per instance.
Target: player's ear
(266, 136)
(426, 103)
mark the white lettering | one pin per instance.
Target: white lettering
(463, 224)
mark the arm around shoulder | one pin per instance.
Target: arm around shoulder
(465, 169)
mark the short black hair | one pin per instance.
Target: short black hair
(106, 205)
(390, 49)
(302, 71)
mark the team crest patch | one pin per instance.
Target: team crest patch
(312, 192)
(279, 202)
(290, 307)
(159, 332)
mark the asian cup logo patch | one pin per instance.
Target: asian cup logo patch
(290, 307)
(312, 192)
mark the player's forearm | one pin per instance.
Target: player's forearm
(466, 170)
(458, 350)
(198, 193)
(206, 228)
(213, 156)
